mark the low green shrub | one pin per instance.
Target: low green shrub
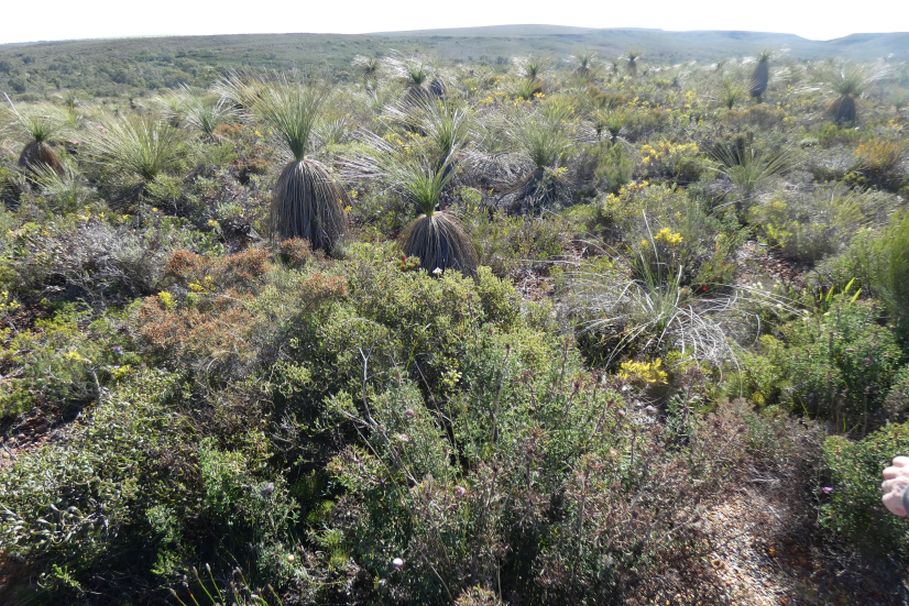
(132, 498)
(853, 510)
(508, 244)
(61, 363)
(93, 256)
(835, 365)
(807, 227)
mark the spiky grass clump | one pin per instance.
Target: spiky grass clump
(530, 83)
(730, 94)
(66, 191)
(749, 168)
(640, 306)
(240, 90)
(531, 67)
(544, 143)
(307, 200)
(760, 77)
(292, 111)
(139, 147)
(368, 67)
(444, 124)
(206, 115)
(414, 73)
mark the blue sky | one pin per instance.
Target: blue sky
(71, 19)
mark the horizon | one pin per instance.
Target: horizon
(104, 19)
(438, 29)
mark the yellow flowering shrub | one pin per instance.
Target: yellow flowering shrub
(645, 372)
(668, 236)
(677, 161)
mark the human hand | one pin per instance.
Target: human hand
(896, 481)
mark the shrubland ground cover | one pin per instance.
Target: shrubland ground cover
(469, 334)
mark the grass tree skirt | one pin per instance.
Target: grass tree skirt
(440, 242)
(38, 156)
(842, 111)
(306, 203)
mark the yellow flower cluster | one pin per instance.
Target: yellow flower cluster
(627, 190)
(118, 372)
(494, 97)
(558, 172)
(207, 285)
(167, 300)
(7, 303)
(666, 150)
(647, 372)
(74, 356)
(668, 236)
(393, 138)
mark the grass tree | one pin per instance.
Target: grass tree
(414, 73)
(444, 124)
(436, 236)
(307, 199)
(420, 178)
(531, 70)
(848, 84)
(585, 64)
(730, 93)
(41, 125)
(632, 58)
(760, 77)
(532, 66)
(544, 143)
(368, 67)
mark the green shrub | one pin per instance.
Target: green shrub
(677, 162)
(508, 244)
(604, 166)
(88, 257)
(896, 404)
(881, 162)
(130, 500)
(61, 364)
(896, 278)
(838, 365)
(854, 511)
(80, 506)
(806, 228)
(665, 229)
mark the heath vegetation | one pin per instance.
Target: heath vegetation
(504, 332)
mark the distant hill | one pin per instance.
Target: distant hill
(136, 65)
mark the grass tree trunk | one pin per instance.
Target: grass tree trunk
(38, 156)
(843, 110)
(440, 242)
(307, 203)
(760, 79)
